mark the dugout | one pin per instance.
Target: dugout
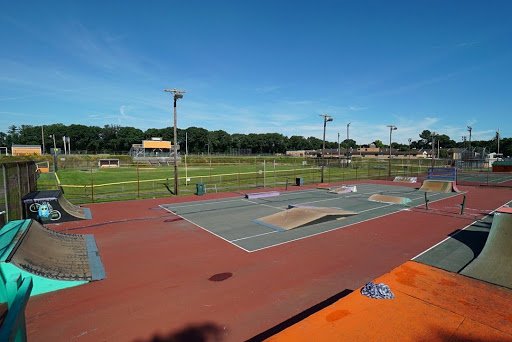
(502, 166)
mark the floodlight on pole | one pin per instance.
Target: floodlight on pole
(54, 153)
(42, 138)
(54, 145)
(327, 118)
(177, 94)
(498, 138)
(433, 134)
(391, 129)
(470, 129)
(339, 148)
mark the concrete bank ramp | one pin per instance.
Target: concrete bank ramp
(493, 264)
(389, 199)
(299, 216)
(439, 186)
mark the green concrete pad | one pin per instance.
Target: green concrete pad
(232, 219)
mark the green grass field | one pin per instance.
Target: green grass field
(84, 185)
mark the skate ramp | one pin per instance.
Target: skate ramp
(438, 186)
(57, 260)
(493, 263)
(343, 190)
(404, 179)
(299, 216)
(389, 199)
(61, 209)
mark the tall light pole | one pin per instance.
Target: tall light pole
(409, 140)
(470, 129)
(54, 145)
(326, 119)
(339, 148)
(498, 138)
(42, 137)
(54, 153)
(391, 129)
(433, 146)
(177, 94)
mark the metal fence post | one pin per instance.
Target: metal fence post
(18, 173)
(4, 171)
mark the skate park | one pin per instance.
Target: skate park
(207, 260)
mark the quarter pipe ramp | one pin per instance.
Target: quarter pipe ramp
(56, 259)
(61, 210)
(438, 186)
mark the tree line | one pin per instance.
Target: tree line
(115, 138)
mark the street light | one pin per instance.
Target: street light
(470, 129)
(326, 119)
(54, 153)
(177, 94)
(391, 129)
(433, 146)
(339, 149)
(42, 138)
(54, 145)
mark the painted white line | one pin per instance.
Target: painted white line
(264, 205)
(249, 237)
(383, 206)
(220, 237)
(199, 204)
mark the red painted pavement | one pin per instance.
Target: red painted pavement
(158, 272)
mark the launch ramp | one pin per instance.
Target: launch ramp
(389, 199)
(301, 216)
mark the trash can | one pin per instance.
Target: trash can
(299, 181)
(200, 189)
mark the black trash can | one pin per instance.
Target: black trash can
(200, 189)
(299, 181)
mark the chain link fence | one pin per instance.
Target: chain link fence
(144, 182)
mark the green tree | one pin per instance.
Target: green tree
(378, 143)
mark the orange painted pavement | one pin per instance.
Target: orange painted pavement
(430, 304)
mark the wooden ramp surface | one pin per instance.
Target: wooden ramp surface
(494, 263)
(430, 304)
(55, 255)
(74, 210)
(438, 186)
(300, 216)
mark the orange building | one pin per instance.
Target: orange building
(25, 150)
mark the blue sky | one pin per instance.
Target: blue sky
(261, 66)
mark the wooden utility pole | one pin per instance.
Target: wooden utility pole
(177, 94)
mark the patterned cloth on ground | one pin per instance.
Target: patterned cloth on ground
(378, 291)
